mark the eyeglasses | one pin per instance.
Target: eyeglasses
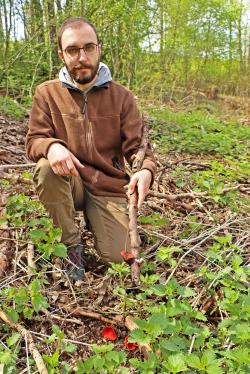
(74, 52)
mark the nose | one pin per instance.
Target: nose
(82, 55)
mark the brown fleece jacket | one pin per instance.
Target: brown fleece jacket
(100, 129)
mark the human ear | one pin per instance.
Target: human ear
(60, 54)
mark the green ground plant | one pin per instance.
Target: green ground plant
(197, 132)
(10, 107)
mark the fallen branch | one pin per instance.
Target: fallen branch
(16, 178)
(135, 241)
(5, 250)
(195, 195)
(17, 166)
(80, 312)
(30, 259)
(131, 325)
(26, 335)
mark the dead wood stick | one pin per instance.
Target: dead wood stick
(131, 325)
(30, 259)
(132, 209)
(59, 318)
(80, 312)
(138, 158)
(195, 195)
(27, 335)
(15, 178)
(17, 166)
(5, 238)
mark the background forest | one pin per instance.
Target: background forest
(155, 47)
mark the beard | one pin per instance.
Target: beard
(83, 73)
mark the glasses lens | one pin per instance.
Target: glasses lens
(72, 51)
(90, 48)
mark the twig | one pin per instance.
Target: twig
(64, 339)
(79, 312)
(17, 166)
(16, 178)
(27, 354)
(30, 259)
(192, 344)
(212, 233)
(132, 208)
(194, 195)
(4, 245)
(26, 334)
(55, 316)
(134, 239)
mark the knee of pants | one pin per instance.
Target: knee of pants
(44, 177)
(109, 253)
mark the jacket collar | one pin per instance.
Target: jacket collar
(103, 78)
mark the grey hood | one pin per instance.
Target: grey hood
(103, 77)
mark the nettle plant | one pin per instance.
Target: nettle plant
(24, 303)
(27, 300)
(176, 335)
(179, 336)
(21, 211)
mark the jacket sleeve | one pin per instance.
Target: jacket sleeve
(41, 133)
(131, 133)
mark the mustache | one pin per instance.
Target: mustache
(80, 66)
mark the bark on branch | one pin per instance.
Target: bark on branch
(26, 335)
(89, 314)
(132, 208)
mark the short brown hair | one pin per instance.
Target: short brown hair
(74, 22)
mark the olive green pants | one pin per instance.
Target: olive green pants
(107, 216)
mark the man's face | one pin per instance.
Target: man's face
(83, 67)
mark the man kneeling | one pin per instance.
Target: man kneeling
(81, 127)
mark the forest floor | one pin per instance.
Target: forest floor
(192, 308)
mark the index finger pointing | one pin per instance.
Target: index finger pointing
(72, 168)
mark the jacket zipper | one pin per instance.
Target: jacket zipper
(88, 129)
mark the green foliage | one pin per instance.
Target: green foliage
(42, 232)
(54, 363)
(200, 44)
(47, 238)
(169, 325)
(27, 299)
(165, 254)
(9, 360)
(154, 219)
(19, 208)
(120, 269)
(104, 361)
(198, 133)
(11, 108)
(8, 353)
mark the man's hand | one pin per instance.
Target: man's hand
(62, 161)
(141, 180)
